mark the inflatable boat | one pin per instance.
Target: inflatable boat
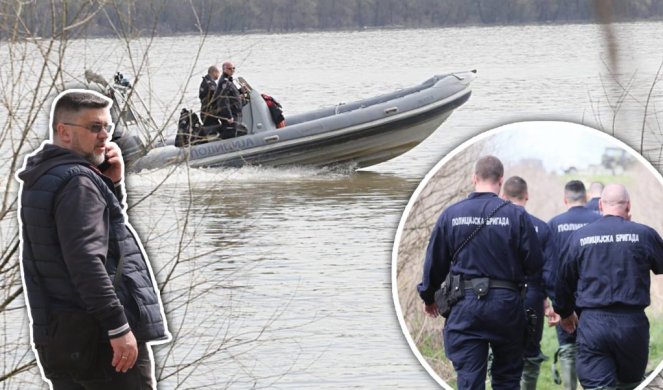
(358, 134)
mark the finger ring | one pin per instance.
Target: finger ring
(124, 357)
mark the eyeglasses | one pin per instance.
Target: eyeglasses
(94, 127)
(229, 68)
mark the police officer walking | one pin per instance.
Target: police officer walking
(562, 226)
(539, 285)
(605, 274)
(595, 190)
(486, 246)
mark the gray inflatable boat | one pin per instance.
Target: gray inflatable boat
(357, 134)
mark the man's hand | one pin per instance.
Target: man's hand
(125, 352)
(570, 323)
(431, 310)
(114, 157)
(553, 318)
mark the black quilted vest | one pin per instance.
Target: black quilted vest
(44, 270)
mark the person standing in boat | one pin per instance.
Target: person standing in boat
(228, 102)
(206, 93)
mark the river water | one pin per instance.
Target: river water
(287, 271)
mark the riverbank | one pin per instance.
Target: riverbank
(125, 18)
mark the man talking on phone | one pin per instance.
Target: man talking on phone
(94, 305)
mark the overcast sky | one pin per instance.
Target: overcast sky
(559, 145)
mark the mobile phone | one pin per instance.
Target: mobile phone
(104, 165)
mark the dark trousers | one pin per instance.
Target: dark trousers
(207, 116)
(228, 130)
(496, 320)
(210, 120)
(613, 348)
(232, 130)
(563, 337)
(103, 375)
(534, 300)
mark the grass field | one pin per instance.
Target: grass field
(431, 349)
(549, 346)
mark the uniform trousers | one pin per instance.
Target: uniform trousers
(563, 337)
(534, 300)
(496, 320)
(613, 348)
(533, 357)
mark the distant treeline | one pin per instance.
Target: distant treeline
(165, 17)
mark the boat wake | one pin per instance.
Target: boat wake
(181, 175)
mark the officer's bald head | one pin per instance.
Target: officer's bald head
(575, 193)
(515, 190)
(615, 201)
(489, 169)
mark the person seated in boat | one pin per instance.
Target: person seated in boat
(206, 93)
(228, 99)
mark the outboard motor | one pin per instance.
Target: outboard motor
(188, 128)
(119, 79)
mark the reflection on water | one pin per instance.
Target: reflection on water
(303, 251)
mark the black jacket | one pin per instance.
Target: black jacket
(74, 231)
(206, 93)
(228, 99)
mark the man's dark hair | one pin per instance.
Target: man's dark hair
(489, 168)
(73, 102)
(515, 187)
(574, 191)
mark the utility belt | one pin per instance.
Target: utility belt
(480, 286)
(455, 287)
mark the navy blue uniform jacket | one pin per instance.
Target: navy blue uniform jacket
(607, 264)
(506, 248)
(544, 280)
(593, 204)
(561, 227)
